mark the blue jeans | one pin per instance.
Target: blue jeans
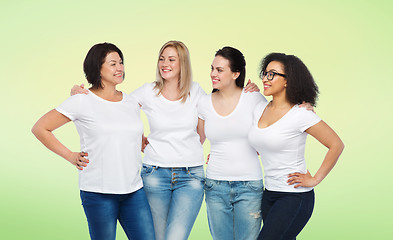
(234, 208)
(285, 214)
(175, 196)
(132, 210)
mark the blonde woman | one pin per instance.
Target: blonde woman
(172, 172)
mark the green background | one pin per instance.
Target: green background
(347, 45)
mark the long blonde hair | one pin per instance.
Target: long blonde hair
(185, 80)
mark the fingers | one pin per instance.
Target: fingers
(81, 161)
(76, 89)
(296, 180)
(247, 88)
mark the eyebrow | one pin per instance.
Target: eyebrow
(272, 70)
(217, 67)
(112, 60)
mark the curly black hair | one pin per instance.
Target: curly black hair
(300, 83)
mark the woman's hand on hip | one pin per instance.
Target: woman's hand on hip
(302, 180)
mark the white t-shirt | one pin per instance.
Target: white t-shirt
(173, 138)
(111, 133)
(281, 146)
(232, 158)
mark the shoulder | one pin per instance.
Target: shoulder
(196, 91)
(143, 91)
(301, 111)
(203, 100)
(254, 97)
(145, 87)
(195, 87)
(79, 98)
(260, 106)
(304, 118)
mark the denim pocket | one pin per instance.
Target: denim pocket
(147, 169)
(197, 173)
(256, 186)
(209, 184)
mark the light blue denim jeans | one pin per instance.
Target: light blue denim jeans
(175, 196)
(234, 209)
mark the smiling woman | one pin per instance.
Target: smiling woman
(110, 132)
(279, 133)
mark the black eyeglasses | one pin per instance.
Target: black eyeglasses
(270, 75)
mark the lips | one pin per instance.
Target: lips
(215, 81)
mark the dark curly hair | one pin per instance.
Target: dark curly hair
(300, 83)
(94, 60)
(237, 63)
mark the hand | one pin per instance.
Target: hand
(208, 157)
(77, 159)
(302, 180)
(79, 90)
(251, 87)
(307, 106)
(144, 143)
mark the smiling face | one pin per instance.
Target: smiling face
(112, 70)
(169, 64)
(221, 73)
(277, 85)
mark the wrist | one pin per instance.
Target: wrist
(68, 156)
(318, 180)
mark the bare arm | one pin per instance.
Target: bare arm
(201, 130)
(43, 132)
(144, 143)
(325, 135)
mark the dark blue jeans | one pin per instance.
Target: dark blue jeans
(285, 214)
(132, 210)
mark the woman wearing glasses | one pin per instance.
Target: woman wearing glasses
(279, 134)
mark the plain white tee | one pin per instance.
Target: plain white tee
(281, 146)
(111, 133)
(173, 138)
(232, 158)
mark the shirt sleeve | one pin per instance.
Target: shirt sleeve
(307, 119)
(259, 108)
(199, 92)
(71, 107)
(201, 108)
(139, 94)
(257, 98)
